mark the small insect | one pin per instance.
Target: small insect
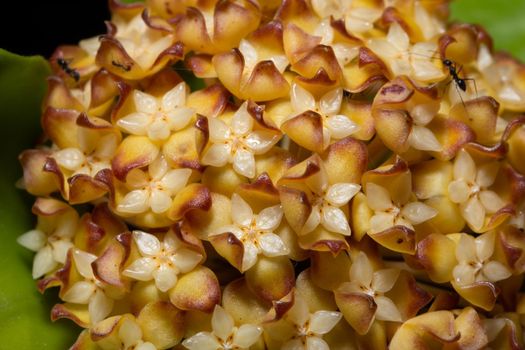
(64, 65)
(124, 67)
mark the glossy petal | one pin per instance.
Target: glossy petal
(464, 274)
(176, 179)
(244, 163)
(496, 271)
(145, 103)
(417, 212)
(387, 310)
(99, 307)
(474, 212)
(464, 167)
(83, 263)
(79, 293)
(458, 191)
(423, 139)
(484, 246)
(316, 343)
(272, 245)
(135, 123)
(242, 214)
(141, 269)
(378, 197)
(174, 98)
(341, 126)
(299, 313)
(247, 335)
(160, 201)
(148, 244)
(165, 277)
(269, 218)
(33, 240)
(185, 259)
(487, 173)
(179, 118)
(222, 323)
(217, 155)
(260, 141)
(384, 280)
(202, 341)
(466, 249)
(70, 158)
(146, 346)
(159, 130)
(381, 221)
(322, 322)
(330, 103)
(334, 220)
(301, 99)
(249, 257)
(491, 201)
(361, 270)
(314, 219)
(341, 193)
(129, 332)
(134, 202)
(293, 344)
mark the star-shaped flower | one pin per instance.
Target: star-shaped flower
(154, 189)
(474, 260)
(388, 214)
(225, 334)
(403, 59)
(255, 231)
(130, 335)
(302, 330)
(335, 125)
(162, 261)
(89, 290)
(470, 189)
(237, 142)
(158, 117)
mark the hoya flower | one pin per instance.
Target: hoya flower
(225, 335)
(333, 126)
(161, 261)
(157, 118)
(474, 260)
(130, 336)
(344, 51)
(387, 213)
(51, 239)
(470, 190)
(254, 231)
(237, 142)
(374, 284)
(304, 330)
(403, 59)
(89, 290)
(152, 189)
(326, 207)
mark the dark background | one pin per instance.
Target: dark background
(38, 27)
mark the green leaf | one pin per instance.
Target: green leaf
(502, 19)
(24, 312)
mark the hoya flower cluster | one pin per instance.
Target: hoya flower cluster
(297, 174)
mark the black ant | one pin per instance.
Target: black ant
(124, 67)
(64, 64)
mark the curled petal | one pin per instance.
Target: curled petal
(148, 244)
(417, 212)
(247, 335)
(322, 322)
(378, 197)
(464, 167)
(222, 323)
(496, 271)
(341, 126)
(272, 245)
(387, 310)
(134, 202)
(269, 218)
(141, 269)
(334, 220)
